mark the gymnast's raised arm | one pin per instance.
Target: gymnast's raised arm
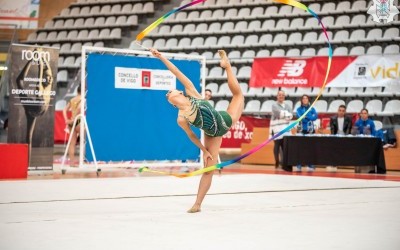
(189, 87)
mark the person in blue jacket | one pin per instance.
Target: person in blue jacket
(365, 125)
(306, 126)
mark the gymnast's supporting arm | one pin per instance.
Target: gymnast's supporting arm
(192, 136)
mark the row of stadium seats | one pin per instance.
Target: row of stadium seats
(328, 7)
(89, 23)
(375, 106)
(388, 91)
(107, 10)
(267, 41)
(76, 35)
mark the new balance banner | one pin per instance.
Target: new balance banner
(32, 97)
(346, 71)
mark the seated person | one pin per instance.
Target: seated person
(364, 125)
(340, 123)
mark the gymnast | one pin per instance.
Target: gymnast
(196, 111)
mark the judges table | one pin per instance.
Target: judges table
(333, 151)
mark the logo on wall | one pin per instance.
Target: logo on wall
(383, 11)
(292, 68)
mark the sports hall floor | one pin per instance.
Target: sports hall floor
(248, 207)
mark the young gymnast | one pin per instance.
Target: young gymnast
(196, 111)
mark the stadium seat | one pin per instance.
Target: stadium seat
(72, 35)
(252, 106)
(215, 72)
(390, 90)
(343, 7)
(334, 91)
(308, 52)
(357, 35)
(297, 23)
(197, 42)
(373, 35)
(374, 50)
(183, 43)
(126, 8)
(278, 53)
(294, 38)
(257, 12)
(328, 8)
(269, 92)
(75, 11)
(76, 48)
(253, 92)
(334, 106)
(266, 107)
(244, 72)
(303, 91)
(342, 21)
(392, 107)
(213, 87)
(357, 51)
(222, 105)
(106, 9)
(263, 53)
(358, 20)
(370, 91)
(100, 21)
(341, 35)
(95, 10)
(359, 5)
(354, 106)
(293, 52)
(201, 28)
(69, 62)
(89, 22)
(237, 41)
(49, 24)
(111, 20)
(289, 91)
(341, 51)
(374, 106)
(282, 24)
(176, 29)
(268, 25)
(321, 106)
(389, 35)
(392, 49)
(352, 92)
(265, 40)
(62, 76)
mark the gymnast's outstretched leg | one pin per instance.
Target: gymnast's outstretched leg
(236, 105)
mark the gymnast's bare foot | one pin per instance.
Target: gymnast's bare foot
(195, 209)
(224, 59)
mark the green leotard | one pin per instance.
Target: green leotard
(212, 122)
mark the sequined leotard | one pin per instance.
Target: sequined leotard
(212, 122)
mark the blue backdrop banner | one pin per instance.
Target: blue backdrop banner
(135, 124)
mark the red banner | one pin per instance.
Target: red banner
(60, 135)
(295, 72)
(242, 131)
